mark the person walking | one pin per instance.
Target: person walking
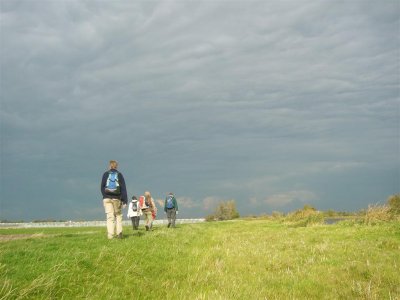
(134, 212)
(115, 198)
(148, 208)
(171, 208)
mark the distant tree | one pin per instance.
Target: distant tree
(277, 215)
(226, 210)
(44, 221)
(394, 203)
(210, 218)
(309, 207)
(331, 213)
(12, 221)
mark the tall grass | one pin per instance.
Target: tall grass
(258, 259)
(307, 216)
(379, 213)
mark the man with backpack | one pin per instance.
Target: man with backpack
(171, 208)
(115, 198)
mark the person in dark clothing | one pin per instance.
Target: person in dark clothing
(115, 198)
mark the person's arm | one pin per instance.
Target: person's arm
(129, 210)
(103, 185)
(165, 204)
(154, 205)
(124, 194)
(176, 204)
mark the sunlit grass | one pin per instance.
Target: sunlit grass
(221, 260)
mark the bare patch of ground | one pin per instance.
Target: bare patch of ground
(12, 237)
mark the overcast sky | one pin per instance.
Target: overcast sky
(274, 104)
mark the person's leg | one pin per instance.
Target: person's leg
(152, 217)
(118, 216)
(173, 217)
(133, 219)
(137, 219)
(109, 210)
(169, 217)
(148, 219)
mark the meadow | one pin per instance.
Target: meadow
(239, 259)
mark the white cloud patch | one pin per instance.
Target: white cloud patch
(160, 203)
(283, 199)
(186, 202)
(253, 201)
(211, 202)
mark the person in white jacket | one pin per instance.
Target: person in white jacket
(134, 212)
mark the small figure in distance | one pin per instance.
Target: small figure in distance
(134, 212)
(171, 208)
(115, 197)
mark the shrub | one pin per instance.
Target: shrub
(394, 203)
(377, 213)
(330, 213)
(306, 216)
(277, 215)
(210, 218)
(226, 210)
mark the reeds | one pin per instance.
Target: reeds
(379, 213)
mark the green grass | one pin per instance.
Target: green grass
(242, 259)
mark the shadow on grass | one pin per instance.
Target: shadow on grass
(138, 233)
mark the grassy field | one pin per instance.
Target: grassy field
(241, 259)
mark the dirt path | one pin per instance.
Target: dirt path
(12, 237)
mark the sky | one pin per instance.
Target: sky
(274, 104)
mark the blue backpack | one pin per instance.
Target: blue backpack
(112, 184)
(170, 202)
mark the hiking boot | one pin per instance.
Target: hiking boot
(119, 236)
(147, 228)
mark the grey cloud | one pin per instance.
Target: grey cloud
(242, 100)
(279, 200)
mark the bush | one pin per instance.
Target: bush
(394, 203)
(277, 215)
(306, 216)
(377, 213)
(330, 213)
(226, 210)
(210, 218)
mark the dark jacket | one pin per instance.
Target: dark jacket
(123, 196)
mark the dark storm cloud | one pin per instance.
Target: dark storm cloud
(269, 103)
